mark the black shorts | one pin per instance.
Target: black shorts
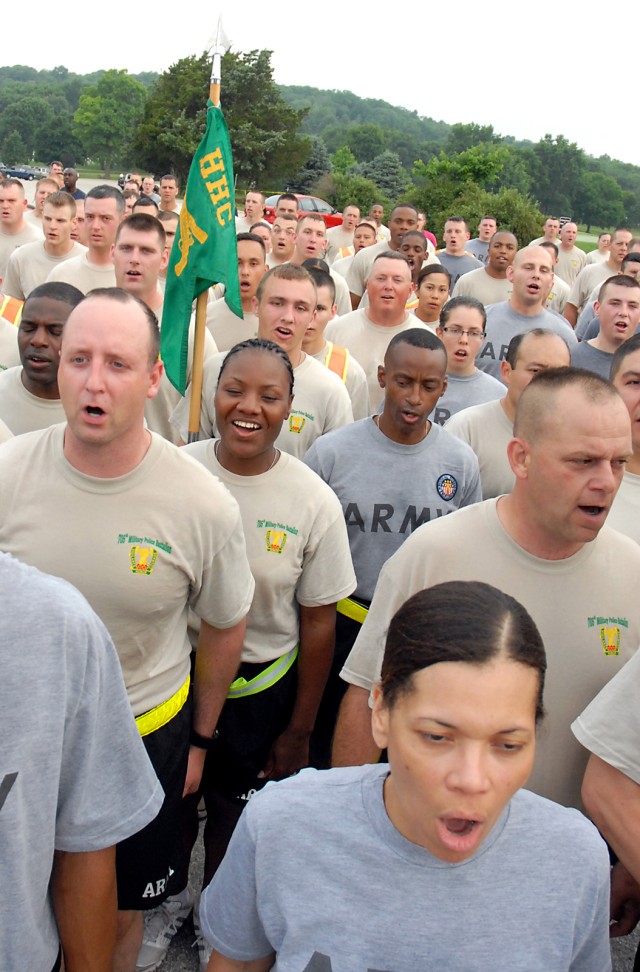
(145, 861)
(247, 729)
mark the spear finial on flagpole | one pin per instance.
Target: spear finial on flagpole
(219, 46)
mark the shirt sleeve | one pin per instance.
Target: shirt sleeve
(229, 914)
(108, 788)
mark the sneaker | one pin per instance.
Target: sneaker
(201, 943)
(160, 926)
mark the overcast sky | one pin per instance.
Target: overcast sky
(527, 69)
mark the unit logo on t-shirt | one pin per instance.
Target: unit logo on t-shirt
(143, 552)
(610, 633)
(447, 486)
(276, 540)
(298, 420)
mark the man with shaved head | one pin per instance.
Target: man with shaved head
(531, 277)
(546, 544)
(488, 427)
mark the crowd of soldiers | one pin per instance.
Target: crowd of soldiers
(387, 415)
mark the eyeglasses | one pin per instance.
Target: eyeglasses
(457, 332)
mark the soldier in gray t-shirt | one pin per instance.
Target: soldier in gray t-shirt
(531, 275)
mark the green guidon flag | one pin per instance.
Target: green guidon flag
(205, 250)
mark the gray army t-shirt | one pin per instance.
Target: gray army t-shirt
(503, 323)
(458, 265)
(463, 391)
(387, 490)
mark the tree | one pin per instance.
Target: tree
(344, 189)
(263, 128)
(556, 167)
(13, 149)
(316, 166)
(55, 140)
(463, 137)
(599, 200)
(366, 141)
(631, 204)
(343, 159)
(107, 116)
(441, 180)
(387, 173)
(25, 117)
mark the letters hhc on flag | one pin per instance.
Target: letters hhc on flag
(205, 249)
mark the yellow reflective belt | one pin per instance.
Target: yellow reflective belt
(265, 679)
(158, 717)
(337, 360)
(351, 609)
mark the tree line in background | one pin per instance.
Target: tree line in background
(332, 143)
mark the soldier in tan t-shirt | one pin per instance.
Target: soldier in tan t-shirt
(15, 231)
(29, 395)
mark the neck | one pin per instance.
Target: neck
(527, 310)
(386, 317)
(614, 264)
(15, 229)
(314, 345)
(516, 519)
(247, 305)
(153, 299)
(508, 407)
(49, 392)
(99, 256)
(296, 356)
(426, 317)
(600, 343)
(246, 466)
(461, 371)
(58, 249)
(109, 461)
(567, 247)
(496, 274)
(411, 437)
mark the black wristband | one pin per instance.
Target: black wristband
(201, 742)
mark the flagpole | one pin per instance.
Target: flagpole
(201, 302)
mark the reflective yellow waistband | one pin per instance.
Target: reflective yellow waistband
(264, 679)
(351, 609)
(158, 717)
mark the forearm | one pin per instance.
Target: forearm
(612, 800)
(83, 891)
(317, 642)
(571, 314)
(353, 742)
(217, 661)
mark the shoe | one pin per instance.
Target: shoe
(160, 927)
(201, 943)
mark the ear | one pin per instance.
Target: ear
(165, 258)
(382, 376)
(334, 311)
(445, 382)
(505, 372)
(510, 273)
(596, 308)
(290, 406)
(519, 456)
(113, 250)
(155, 377)
(254, 305)
(379, 718)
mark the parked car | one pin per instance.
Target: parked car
(306, 204)
(26, 172)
